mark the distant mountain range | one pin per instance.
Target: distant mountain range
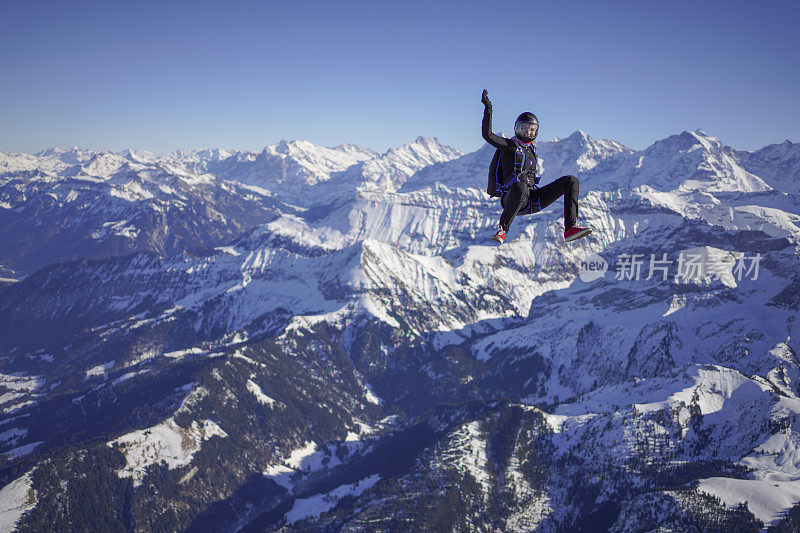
(309, 338)
(61, 205)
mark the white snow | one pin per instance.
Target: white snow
(299, 459)
(99, 370)
(17, 406)
(131, 191)
(104, 165)
(164, 443)
(297, 456)
(10, 396)
(239, 354)
(377, 309)
(296, 228)
(712, 388)
(259, 394)
(396, 240)
(466, 451)
(120, 228)
(193, 398)
(767, 500)
(18, 391)
(12, 435)
(370, 396)
(16, 499)
(22, 450)
(230, 250)
(179, 354)
(129, 375)
(777, 458)
(20, 383)
(320, 503)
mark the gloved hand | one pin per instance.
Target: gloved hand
(485, 99)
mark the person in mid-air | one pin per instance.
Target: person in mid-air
(515, 176)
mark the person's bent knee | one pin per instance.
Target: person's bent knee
(571, 178)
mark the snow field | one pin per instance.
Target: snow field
(163, 443)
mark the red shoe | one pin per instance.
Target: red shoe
(500, 236)
(576, 233)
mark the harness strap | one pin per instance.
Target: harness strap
(519, 164)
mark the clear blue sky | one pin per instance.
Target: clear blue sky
(170, 74)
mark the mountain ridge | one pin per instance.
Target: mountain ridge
(378, 347)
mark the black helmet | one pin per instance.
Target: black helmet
(526, 127)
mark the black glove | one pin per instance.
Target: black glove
(485, 99)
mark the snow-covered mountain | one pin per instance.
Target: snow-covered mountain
(777, 164)
(289, 169)
(687, 161)
(576, 154)
(61, 205)
(367, 360)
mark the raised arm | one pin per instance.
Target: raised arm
(486, 126)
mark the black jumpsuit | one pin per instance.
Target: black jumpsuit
(523, 196)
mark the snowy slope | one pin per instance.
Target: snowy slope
(166, 442)
(777, 164)
(687, 161)
(291, 168)
(288, 165)
(82, 203)
(385, 284)
(16, 498)
(576, 154)
(110, 204)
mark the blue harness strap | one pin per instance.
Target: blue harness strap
(519, 164)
